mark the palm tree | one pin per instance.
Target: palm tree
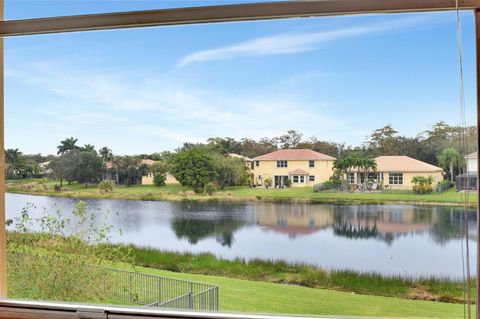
(14, 160)
(67, 145)
(106, 154)
(448, 159)
(88, 148)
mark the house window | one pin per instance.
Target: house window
(302, 179)
(311, 163)
(395, 178)
(350, 178)
(282, 164)
(257, 163)
(311, 178)
(295, 179)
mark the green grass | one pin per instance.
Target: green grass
(258, 297)
(439, 289)
(177, 192)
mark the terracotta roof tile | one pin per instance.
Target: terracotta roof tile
(294, 154)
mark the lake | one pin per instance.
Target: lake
(405, 240)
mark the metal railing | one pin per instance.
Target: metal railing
(158, 291)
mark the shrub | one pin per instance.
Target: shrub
(210, 189)
(288, 182)
(422, 185)
(57, 188)
(59, 261)
(106, 186)
(267, 182)
(159, 179)
(330, 184)
(443, 186)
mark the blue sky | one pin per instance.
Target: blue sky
(148, 90)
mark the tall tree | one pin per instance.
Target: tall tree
(194, 168)
(449, 159)
(290, 140)
(68, 144)
(383, 141)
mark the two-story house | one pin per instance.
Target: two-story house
(302, 167)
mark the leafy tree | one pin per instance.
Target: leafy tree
(230, 171)
(290, 140)
(68, 144)
(450, 158)
(384, 140)
(194, 168)
(88, 167)
(129, 169)
(224, 146)
(159, 171)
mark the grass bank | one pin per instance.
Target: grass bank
(237, 295)
(280, 272)
(179, 193)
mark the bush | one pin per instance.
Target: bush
(58, 188)
(210, 189)
(159, 179)
(59, 261)
(330, 184)
(106, 186)
(443, 186)
(422, 185)
(267, 182)
(288, 182)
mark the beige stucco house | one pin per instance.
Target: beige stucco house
(302, 167)
(148, 180)
(396, 172)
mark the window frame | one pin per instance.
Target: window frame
(282, 164)
(396, 177)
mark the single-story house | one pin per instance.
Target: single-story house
(396, 172)
(44, 169)
(303, 167)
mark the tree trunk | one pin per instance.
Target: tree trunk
(86, 184)
(451, 172)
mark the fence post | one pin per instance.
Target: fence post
(190, 300)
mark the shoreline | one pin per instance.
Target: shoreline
(234, 199)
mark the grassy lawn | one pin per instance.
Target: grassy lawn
(177, 192)
(258, 297)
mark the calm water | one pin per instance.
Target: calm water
(390, 239)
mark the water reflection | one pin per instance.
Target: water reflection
(392, 239)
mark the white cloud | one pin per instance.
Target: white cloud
(291, 43)
(166, 111)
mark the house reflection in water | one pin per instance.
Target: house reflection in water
(352, 221)
(294, 219)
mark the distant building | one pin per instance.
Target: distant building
(468, 180)
(302, 167)
(44, 169)
(396, 172)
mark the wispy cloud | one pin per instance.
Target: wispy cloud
(291, 43)
(165, 111)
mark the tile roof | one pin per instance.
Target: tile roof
(403, 164)
(294, 154)
(472, 155)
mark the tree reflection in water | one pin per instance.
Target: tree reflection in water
(197, 222)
